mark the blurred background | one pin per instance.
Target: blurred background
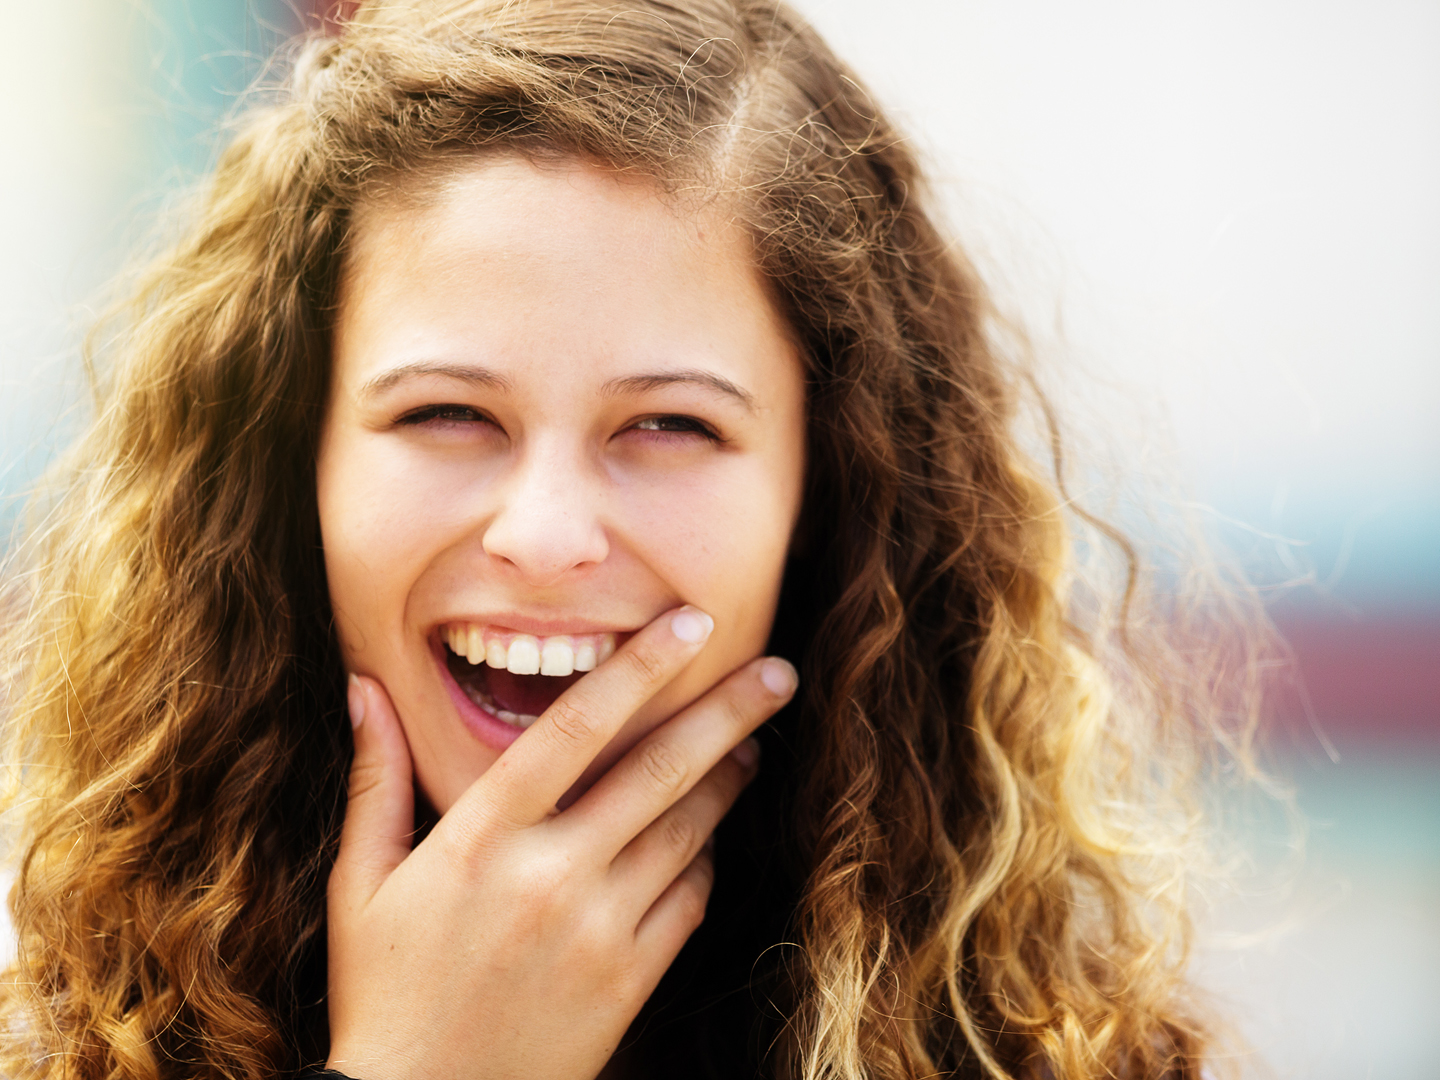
(1229, 209)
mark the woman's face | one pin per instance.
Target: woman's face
(559, 408)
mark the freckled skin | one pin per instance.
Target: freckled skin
(550, 489)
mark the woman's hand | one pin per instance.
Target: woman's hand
(516, 941)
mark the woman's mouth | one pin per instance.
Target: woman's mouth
(515, 677)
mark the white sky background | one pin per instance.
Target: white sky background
(1234, 205)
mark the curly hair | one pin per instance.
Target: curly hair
(986, 797)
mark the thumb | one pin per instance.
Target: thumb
(380, 816)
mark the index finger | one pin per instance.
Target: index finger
(538, 768)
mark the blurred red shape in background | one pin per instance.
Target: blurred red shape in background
(1372, 676)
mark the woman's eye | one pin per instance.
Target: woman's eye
(443, 414)
(677, 425)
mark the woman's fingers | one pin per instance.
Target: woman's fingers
(380, 816)
(524, 785)
(658, 772)
(672, 841)
(676, 915)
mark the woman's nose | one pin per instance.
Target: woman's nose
(546, 525)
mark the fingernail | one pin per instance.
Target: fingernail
(691, 625)
(779, 676)
(356, 696)
(747, 754)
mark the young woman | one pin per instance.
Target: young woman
(537, 378)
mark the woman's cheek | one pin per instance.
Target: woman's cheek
(369, 519)
(721, 544)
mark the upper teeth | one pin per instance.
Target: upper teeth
(526, 654)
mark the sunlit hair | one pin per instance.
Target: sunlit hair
(984, 804)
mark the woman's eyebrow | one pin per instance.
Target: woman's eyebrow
(637, 384)
(477, 376)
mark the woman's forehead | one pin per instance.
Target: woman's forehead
(523, 259)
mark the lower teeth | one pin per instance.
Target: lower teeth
(486, 702)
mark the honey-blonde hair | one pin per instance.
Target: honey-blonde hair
(985, 799)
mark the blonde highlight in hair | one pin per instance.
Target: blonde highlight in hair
(988, 827)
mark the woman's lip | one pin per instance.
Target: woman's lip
(487, 728)
(510, 624)
(490, 730)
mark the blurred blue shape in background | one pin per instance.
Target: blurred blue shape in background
(117, 107)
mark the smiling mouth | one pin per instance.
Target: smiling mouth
(516, 677)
